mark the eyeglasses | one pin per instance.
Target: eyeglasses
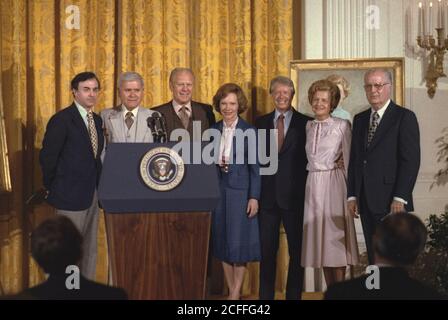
(377, 86)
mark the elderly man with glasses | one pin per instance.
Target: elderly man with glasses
(384, 158)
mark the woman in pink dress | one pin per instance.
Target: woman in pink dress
(329, 238)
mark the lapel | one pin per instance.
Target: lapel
(386, 123)
(194, 111)
(142, 126)
(270, 119)
(176, 123)
(268, 127)
(289, 139)
(196, 115)
(116, 120)
(100, 133)
(79, 122)
(242, 126)
(365, 123)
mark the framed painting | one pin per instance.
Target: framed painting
(304, 72)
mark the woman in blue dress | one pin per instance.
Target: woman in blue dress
(235, 237)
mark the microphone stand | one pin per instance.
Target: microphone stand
(157, 124)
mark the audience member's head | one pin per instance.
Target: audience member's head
(399, 239)
(56, 244)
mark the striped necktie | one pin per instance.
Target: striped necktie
(92, 133)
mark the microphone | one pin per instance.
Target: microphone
(157, 124)
(162, 121)
(152, 125)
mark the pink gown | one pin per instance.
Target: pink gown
(329, 238)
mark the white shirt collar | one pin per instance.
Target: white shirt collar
(232, 125)
(81, 109)
(287, 114)
(177, 107)
(125, 110)
(381, 110)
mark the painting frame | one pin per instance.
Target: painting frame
(304, 72)
(5, 176)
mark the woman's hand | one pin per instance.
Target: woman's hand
(252, 208)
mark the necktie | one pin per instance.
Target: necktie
(184, 118)
(129, 119)
(281, 131)
(92, 133)
(373, 126)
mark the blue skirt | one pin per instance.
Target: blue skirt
(235, 236)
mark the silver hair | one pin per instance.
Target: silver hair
(384, 71)
(177, 70)
(282, 80)
(130, 76)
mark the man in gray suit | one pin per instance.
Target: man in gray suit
(127, 122)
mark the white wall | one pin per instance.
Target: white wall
(343, 29)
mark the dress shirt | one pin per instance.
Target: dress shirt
(226, 140)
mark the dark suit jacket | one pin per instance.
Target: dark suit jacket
(287, 186)
(389, 166)
(245, 175)
(54, 289)
(394, 284)
(200, 112)
(70, 171)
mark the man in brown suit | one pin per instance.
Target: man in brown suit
(181, 111)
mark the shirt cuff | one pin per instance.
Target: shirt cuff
(351, 198)
(400, 200)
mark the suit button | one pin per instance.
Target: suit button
(365, 161)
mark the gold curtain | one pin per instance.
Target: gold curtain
(42, 48)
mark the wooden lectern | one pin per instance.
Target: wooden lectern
(158, 241)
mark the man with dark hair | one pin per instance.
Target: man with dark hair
(56, 245)
(283, 193)
(397, 242)
(71, 164)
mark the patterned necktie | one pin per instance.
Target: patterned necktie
(184, 118)
(373, 126)
(280, 131)
(129, 119)
(92, 133)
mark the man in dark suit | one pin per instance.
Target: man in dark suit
(282, 194)
(181, 112)
(55, 245)
(71, 164)
(398, 240)
(384, 159)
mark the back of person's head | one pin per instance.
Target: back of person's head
(56, 244)
(400, 238)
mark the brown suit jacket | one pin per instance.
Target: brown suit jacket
(200, 112)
